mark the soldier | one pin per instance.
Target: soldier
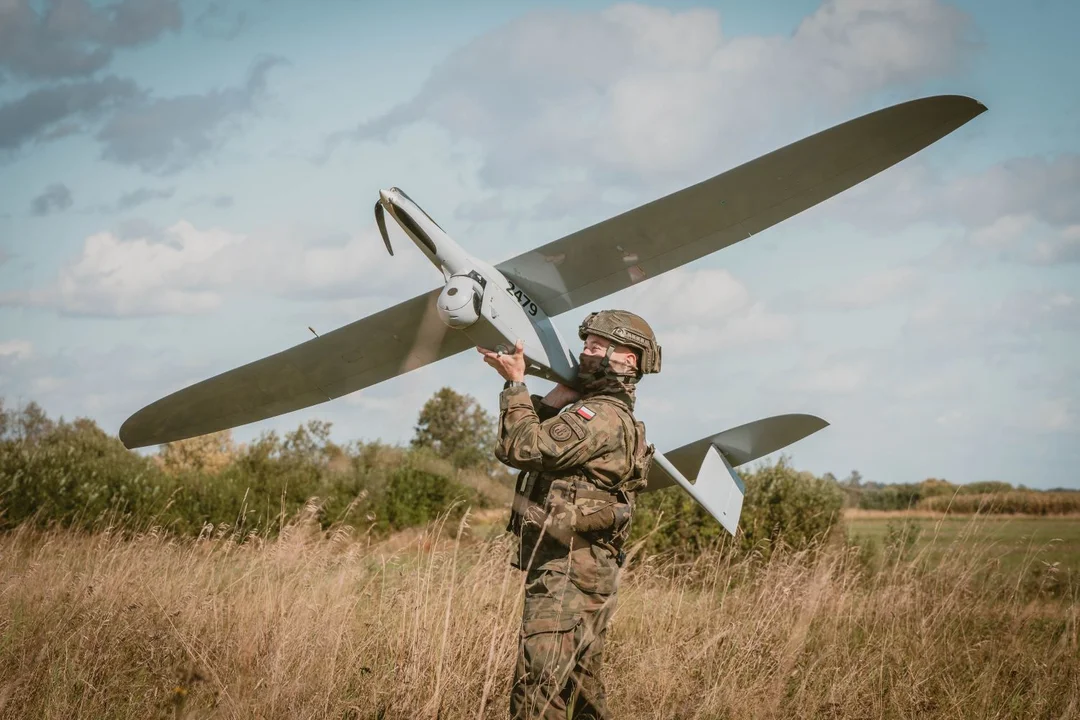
(580, 470)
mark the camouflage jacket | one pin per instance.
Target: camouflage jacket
(581, 468)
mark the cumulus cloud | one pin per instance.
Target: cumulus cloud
(158, 135)
(221, 202)
(75, 38)
(719, 312)
(216, 21)
(1038, 186)
(1016, 238)
(871, 289)
(1021, 209)
(141, 277)
(54, 112)
(1052, 415)
(16, 349)
(831, 379)
(633, 94)
(105, 385)
(1064, 247)
(945, 330)
(167, 134)
(184, 270)
(143, 195)
(930, 395)
(55, 198)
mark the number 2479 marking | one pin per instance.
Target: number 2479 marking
(522, 298)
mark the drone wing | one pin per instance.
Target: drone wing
(691, 223)
(564, 274)
(739, 445)
(358, 355)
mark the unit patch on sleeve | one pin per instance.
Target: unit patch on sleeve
(586, 413)
(560, 432)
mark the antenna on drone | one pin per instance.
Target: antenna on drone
(313, 331)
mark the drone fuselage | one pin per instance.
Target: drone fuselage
(479, 300)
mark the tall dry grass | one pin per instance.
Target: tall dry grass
(328, 625)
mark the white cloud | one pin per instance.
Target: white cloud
(953, 419)
(1022, 209)
(646, 96)
(1053, 415)
(86, 381)
(185, 270)
(1025, 239)
(1002, 233)
(1061, 247)
(46, 384)
(16, 349)
(1043, 187)
(176, 275)
(1035, 185)
(715, 311)
(872, 289)
(841, 377)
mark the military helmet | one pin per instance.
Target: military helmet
(625, 328)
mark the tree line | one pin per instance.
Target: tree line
(74, 474)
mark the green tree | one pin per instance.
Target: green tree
(456, 428)
(853, 480)
(29, 423)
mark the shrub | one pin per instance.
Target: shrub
(1027, 502)
(74, 474)
(785, 505)
(414, 497)
(782, 505)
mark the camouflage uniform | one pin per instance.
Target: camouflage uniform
(572, 513)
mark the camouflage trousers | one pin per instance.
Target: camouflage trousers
(568, 604)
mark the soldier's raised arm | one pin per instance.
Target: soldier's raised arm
(567, 440)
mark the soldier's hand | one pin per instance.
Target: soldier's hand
(561, 396)
(510, 365)
(560, 520)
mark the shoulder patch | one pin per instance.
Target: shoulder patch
(585, 412)
(560, 432)
(567, 425)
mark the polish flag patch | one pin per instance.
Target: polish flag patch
(586, 413)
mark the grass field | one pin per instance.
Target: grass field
(1014, 540)
(424, 625)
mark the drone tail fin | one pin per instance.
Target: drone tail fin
(705, 468)
(717, 487)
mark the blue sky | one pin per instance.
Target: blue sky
(187, 186)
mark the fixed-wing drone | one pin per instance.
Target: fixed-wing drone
(486, 305)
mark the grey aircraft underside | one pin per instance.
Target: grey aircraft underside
(481, 304)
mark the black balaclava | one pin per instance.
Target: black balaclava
(597, 377)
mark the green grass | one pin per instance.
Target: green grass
(1017, 541)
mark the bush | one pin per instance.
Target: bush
(74, 474)
(414, 497)
(782, 505)
(1026, 502)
